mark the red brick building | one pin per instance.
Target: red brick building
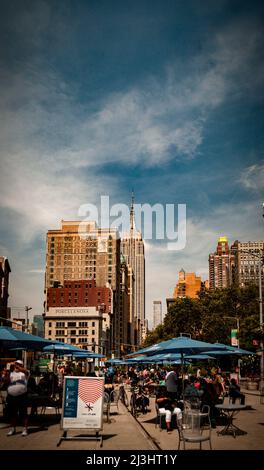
(82, 293)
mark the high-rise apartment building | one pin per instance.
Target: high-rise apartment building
(74, 253)
(157, 313)
(247, 256)
(188, 285)
(90, 255)
(221, 266)
(132, 248)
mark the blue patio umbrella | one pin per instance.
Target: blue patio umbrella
(114, 361)
(10, 339)
(182, 345)
(165, 357)
(202, 356)
(63, 349)
(88, 355)
(230, 350)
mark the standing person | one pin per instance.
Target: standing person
(17, 397)
(171, 382)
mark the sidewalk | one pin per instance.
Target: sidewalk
(122, 432)
(250, 420)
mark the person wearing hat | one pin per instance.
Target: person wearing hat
(17, 396)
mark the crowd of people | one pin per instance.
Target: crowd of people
(168, 386)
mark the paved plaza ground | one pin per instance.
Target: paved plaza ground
(124, 433)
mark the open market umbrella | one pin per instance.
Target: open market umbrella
(230, 350)
(10, 338)
(63, 349)
(183, 345)
(114, 361)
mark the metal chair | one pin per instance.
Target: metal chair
(190, 429)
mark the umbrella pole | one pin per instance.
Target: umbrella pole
(53, 376)
(182, 365)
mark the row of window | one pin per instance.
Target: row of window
(72, 332)
(62, 324)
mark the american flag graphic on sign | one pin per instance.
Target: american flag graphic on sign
(89, 391)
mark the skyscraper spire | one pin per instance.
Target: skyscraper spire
(132, 213)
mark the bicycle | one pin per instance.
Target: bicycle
(123, 396)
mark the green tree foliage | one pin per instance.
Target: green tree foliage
(205, 319)
(155, 336)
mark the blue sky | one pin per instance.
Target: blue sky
(99, 97)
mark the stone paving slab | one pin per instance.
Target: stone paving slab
(121, 433)
(250, 420)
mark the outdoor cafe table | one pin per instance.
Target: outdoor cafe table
(230, 410)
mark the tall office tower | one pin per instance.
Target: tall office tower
(247, 256)
(188, 285)
(132, 248)
(122, 320)
(4, 294)
(84, 253)
(221, 266)
(157, 313)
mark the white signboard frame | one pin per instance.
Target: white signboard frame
(82, 406)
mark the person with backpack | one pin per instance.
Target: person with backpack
(17, 396)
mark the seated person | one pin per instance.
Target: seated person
(167, 406)
(234, 392)
(190, 391)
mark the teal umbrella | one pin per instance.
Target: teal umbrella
(182, 345)
(10, 339)
(114, 361)
(63, 349)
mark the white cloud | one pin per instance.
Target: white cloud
(48, 140)
(236, 221)
(253, 177)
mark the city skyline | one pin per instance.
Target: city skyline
(101, 98)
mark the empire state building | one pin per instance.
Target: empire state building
(132, 249)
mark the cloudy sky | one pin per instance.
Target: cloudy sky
(102, 97)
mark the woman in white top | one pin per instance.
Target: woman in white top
(17, 397)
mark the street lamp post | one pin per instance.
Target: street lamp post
(259, 256)
(261, 325)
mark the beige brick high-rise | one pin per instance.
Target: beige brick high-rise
(96, 255)
(86, 253)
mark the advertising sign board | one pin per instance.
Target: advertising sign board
(82, 406)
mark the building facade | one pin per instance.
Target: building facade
(84, 327)
(221, 266)
(77, 252)
(84, 255)
(38, 326)
(247, 256)
(157, 313)
(132, 248)
(80, 294)
(188, 285)
(5, 270)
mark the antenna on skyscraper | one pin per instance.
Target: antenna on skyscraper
(132, 213)
(132, 198)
